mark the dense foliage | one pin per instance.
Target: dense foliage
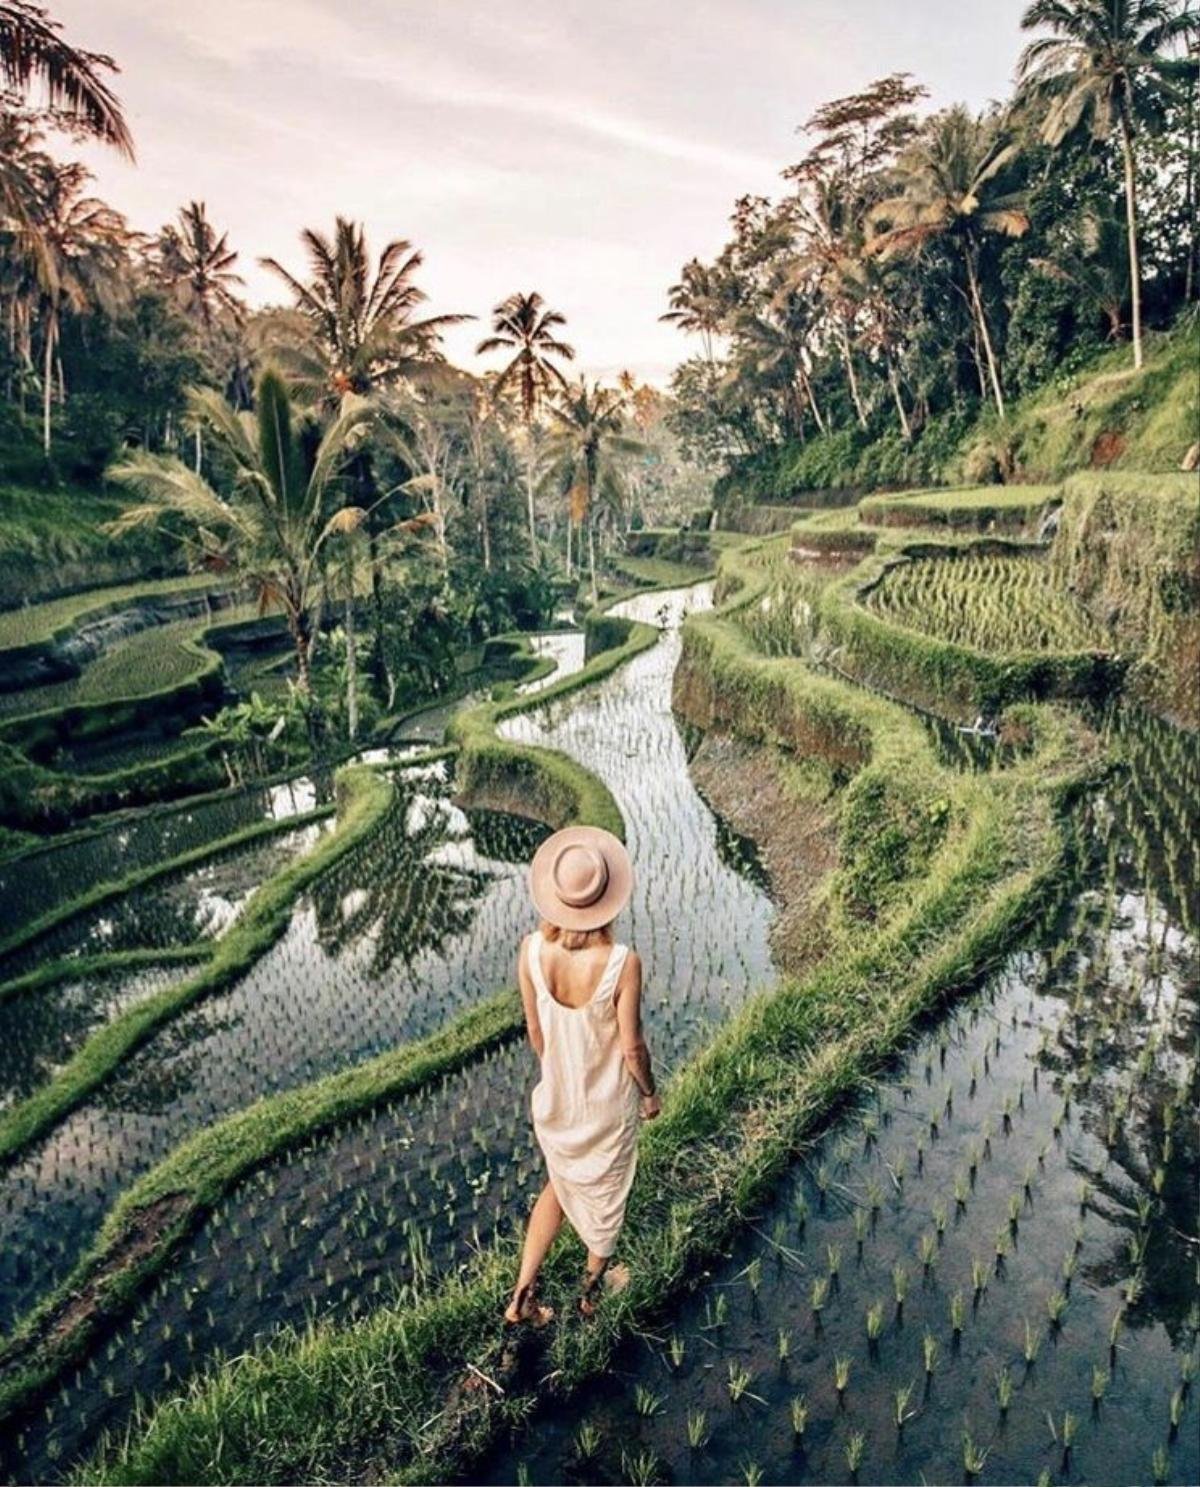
(918, 274)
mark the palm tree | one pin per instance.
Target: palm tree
(198, 268)
(1095, 266)
(583, 455)
(77, 246)
(281, 512)
(522, 324)
(33, 54)
(1110, 61)
(697, 304)
(355, 330)
(948, 193)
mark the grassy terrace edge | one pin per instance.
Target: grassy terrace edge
(386, 1397)
(364, 799)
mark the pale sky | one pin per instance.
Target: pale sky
(582, 149)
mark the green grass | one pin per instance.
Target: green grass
(364, 798)
(1000, 604)
(660, 573)
(156, 659)
(1107, 413)
(383, 1398)
(981, 508)
(36, 624)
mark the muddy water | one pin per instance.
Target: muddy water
(414, 1187)
(1039, 1150)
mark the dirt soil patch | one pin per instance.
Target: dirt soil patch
(796, 836)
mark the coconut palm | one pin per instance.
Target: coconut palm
(34, 55)
(1109, 63)
(356, 330)
(523, 325)
(198, 267)
(282, 510)
(77, 247)
(697, 304)
(583, 454)
(949, 193)
(1096, 267)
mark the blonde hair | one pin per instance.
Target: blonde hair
(576, 939)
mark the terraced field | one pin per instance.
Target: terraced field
(998, 603)
(923, 1206)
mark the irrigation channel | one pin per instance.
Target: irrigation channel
(990, 1268)
(418, 924)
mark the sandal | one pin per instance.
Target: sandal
(524, 1307)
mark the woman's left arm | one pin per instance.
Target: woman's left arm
(529, 1000)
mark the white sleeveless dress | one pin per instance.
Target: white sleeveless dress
(585, 1107)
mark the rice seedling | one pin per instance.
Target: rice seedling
(979, 1278)
(818, 1295)
(856, 1446)
(958, 1313)
(930, 1349)
(799, 1414)
(698, 1431)
(927, 1250)
(1004, 1390)
(646, 1402)
(1033, 1343)
(974, 1457)
(752, 1473)
(1100, 1379)
(1056, 1306)
(841, 1375)
(899, 1284)
(588, 1439)
(874, 1321)
(833, 1260)
(642, 1469)
(676, 1350)
(1160, 1466)
(738, 1382)
(1175, 1409)
(902, 1410)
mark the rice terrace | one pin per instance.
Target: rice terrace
(825, 528)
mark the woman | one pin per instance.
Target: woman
(582, 995)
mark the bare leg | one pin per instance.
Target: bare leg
(545, 1220)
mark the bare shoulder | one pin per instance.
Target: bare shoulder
(631, 971)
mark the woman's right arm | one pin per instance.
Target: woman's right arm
(633, 1041)
(533, 1026)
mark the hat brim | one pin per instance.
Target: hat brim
(617, 890)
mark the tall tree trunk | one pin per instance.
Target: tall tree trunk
(351, 659)
(894, 381)
(591, 530)
(810, 394)
(529, 467)
(485, 531)
(199, 449)
(984, 334)
(1135, 270)
(851, 378)
(48, 379)
(570, 524)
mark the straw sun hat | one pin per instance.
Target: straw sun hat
(580, 878)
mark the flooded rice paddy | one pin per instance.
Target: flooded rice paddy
(991, 1262)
